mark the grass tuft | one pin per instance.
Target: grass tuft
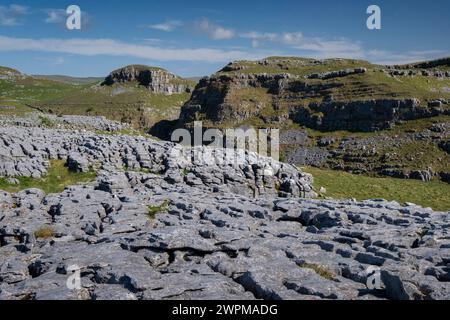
(44, 232)
(320, 270)
(56, 180)
(154, 210)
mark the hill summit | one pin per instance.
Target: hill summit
(156, 79)
(6, 72)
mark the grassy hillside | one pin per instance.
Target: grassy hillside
(123, 102)
(126, 102)
(376, 83)
(70, 80)
(342, 185)
(18, 92)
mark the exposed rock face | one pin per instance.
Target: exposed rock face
(370, 115)
(337, 74)
(402, 155)
(445, 145)
(177, 231)
(155, 79)
(10, 74)
(211, 96)
(412, 73)
(330, 100)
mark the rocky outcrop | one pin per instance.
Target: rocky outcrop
(327, 100)
(337, 74)
(10, 74)
(25, 152)
(369, 115)
(213, 96)
(413, 72)
(155, 79)
(445, 145)
(213, 100)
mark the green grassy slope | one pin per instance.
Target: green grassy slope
(342, 185)
(57, 178)
(70, 80)
(126, 102)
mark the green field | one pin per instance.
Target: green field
(342, 185)
(56, 180)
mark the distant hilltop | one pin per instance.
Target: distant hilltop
(9, 73)
(156, 79)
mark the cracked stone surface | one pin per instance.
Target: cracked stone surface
(187, 231)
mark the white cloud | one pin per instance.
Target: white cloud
(213, 30)
(109, 47)
(59, 60)
(52, 61)
(12, 15)
(319, 47)
(390, 58)
(55, 15)
(167, 26)
(322, 48)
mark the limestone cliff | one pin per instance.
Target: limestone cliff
(334, 94)
(157, 80)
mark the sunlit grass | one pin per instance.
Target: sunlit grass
(56, 180)
(342, 185)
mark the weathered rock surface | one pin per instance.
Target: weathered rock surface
(217, 246)
(36, 119)
(337, 74)
(26, 151)
(155, 79)
(164, 228)
(368, 115)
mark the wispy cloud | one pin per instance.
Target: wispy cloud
(167, 26)
(322, 48)
(340, 47)
(12, 15)
(55, 15)
(213, 30)
(52, 61)
(391, 58)
(109, 47)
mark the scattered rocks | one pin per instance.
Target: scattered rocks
(26, 150)
(77, 163)
(336, 74)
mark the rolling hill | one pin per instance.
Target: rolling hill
(127, 100)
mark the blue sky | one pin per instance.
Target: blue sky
(194, 38)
